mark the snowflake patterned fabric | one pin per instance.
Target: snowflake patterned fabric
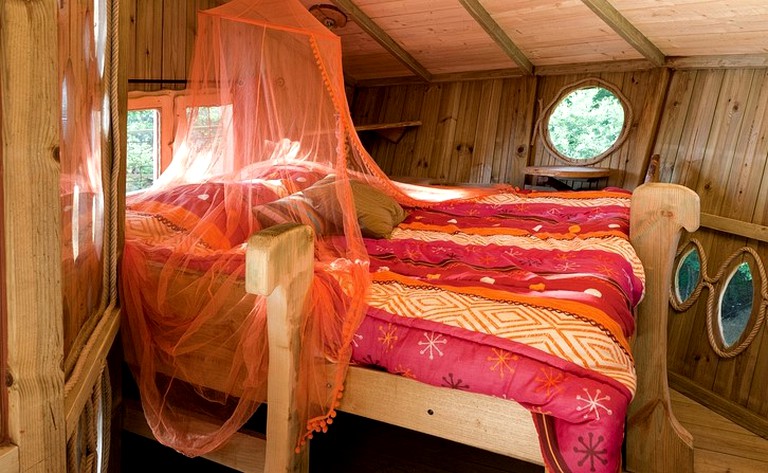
(520, 296)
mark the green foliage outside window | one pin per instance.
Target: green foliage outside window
(688, 275)
(143, 151)
(586, 123)
(736, 304)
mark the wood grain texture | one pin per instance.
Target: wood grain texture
(279, 265)
(490, 423)
(384, 39)
(645, 92)
(245, 452)
(475, 132)
(498, 34)
(658, 214)
(626, 30)
(712, 138)
(30, 136)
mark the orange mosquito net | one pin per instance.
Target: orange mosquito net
(267, 138)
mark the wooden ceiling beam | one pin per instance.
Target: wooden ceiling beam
(386, 41)
(496, 32)
(626, 30)
(729, 61)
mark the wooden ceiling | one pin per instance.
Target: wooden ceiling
(450, 39)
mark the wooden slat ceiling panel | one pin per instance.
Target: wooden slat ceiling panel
(363, 57)
(560, 32)
(440, 34)
(442, 37)
(696, 27)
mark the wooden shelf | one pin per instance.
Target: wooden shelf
(391, 131)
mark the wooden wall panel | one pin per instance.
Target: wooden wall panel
(476, 131)
(645, 91)
(483, 128)
(161, 35)
(713, 138)
(31, 119)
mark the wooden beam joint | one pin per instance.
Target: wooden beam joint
(626, 30)
(497, 33)
(386, 41)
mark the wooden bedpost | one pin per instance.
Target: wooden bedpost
(279, 265)
(656, 442)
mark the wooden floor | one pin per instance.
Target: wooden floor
(720, 445)
(363, 446)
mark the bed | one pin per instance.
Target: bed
(191, 331)
(571, 409)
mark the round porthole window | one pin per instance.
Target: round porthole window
(736, 303)
(587, 122)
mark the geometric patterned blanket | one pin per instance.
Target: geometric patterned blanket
(522, 296)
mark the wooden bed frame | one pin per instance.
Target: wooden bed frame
(279, 264)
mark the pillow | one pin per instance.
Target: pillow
(377, 213)
(294, 208)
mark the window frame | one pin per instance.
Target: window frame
(163, 103)
(542, 127)
(172, 107)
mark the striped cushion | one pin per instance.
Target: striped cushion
(294, 208)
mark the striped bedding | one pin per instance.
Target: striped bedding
(522, 296)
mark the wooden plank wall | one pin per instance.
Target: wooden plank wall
(161, 39)
(476, 131)
(480, 131)
(713, 138)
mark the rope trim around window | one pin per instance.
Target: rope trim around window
(715, 287)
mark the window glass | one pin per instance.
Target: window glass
(736, 304)
(143, 154)
(586, 123)
(688, 275)
(205, 124)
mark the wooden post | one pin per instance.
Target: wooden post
(279, 265)
(656, 442)
(30, 135)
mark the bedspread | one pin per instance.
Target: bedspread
(527, 297)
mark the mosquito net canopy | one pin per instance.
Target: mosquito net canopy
(266, 138)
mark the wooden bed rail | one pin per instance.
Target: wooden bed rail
(280, 263)
(656, 442)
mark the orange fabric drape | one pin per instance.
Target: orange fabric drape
(281, 123)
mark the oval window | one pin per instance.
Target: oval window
(586, 124)
(687, 275)
(736, 302)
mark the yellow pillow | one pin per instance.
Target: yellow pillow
(377, 213)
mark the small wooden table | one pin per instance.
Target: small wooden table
(566, 177)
